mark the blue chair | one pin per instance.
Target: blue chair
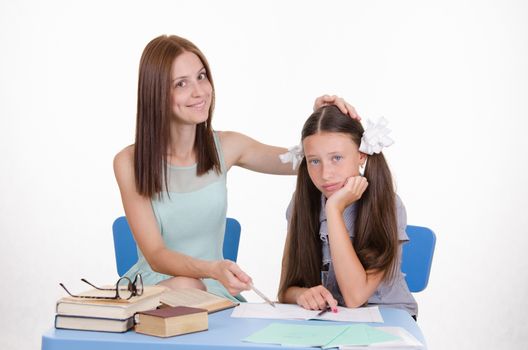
(126, 249)
(417, 257)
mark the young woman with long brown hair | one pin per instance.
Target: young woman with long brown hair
(173, 179)
(345, 229)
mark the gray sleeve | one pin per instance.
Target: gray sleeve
(289, 210)
(401, 218)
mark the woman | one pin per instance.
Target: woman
(345, 228)
(173, 179)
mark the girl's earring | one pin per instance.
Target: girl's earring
(362, 170)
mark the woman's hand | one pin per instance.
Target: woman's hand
(344, 106)
(316, 298)
(231, 276)
(353, 189)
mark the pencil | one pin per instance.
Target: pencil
(260, 294)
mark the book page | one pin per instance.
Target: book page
(195, 298)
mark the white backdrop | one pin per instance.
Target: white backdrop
(451, 76)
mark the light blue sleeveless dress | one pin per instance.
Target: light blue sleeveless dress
(191, 217)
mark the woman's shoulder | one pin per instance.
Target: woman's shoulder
(233, 144)
(124, 159)
(228, 136)
(126, 153)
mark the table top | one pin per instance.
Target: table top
(225, 332)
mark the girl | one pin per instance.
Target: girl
(345, 229)
(173, 179)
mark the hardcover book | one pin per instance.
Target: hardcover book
(93, 323)
(171, 321)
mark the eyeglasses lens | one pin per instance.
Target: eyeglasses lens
(124, 288)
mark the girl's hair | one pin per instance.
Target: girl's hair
(154, 114)
(375, 237)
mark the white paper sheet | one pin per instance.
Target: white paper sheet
(295, 312)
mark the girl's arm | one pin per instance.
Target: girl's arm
(355, 283)
(315, 298)
(142, 222)
(248, 153)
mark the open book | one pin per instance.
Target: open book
(196, 298)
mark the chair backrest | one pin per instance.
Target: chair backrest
(418, 257)
(126, 249)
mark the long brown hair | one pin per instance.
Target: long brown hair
(154, 114)
(375, 230)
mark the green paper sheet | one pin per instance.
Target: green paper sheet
(296, 335)
(321, 336)
(360, 334)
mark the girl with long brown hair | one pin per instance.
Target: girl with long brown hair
(344, 229)
(173, 179)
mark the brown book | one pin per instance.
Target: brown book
(171, 321)
(195, 298)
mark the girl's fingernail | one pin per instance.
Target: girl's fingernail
(334, 310)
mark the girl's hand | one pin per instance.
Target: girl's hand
(231, 276)
(344, 106)
(353, 189)
(316, 298)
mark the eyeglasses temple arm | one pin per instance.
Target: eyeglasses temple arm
(85, 281)
(66, 289)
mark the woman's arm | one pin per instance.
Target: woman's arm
(355, 283)
(142, 222)
(243, 151)
(344, 106)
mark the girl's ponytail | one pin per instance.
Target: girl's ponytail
(376, 232)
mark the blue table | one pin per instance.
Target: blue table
(224, 333)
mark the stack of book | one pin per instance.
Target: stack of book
(104, 315)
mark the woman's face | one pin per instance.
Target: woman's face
(331, 158)
(191, 90)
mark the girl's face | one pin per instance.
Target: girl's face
(331, 158)
(191, 90)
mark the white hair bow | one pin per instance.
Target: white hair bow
(294, 155)
(375, 137)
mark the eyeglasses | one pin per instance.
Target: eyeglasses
(124, 289)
